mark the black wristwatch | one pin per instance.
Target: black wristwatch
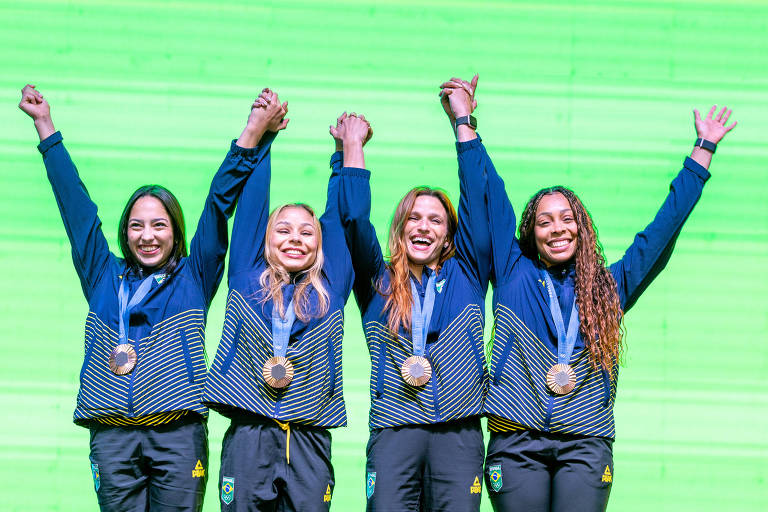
(706, 144)
(468, 120)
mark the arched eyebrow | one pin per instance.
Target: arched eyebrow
(562, 212)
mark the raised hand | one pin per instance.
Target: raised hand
(712, 128)
(267, 114)
(35, 106)
(353, 132)
(457, 97)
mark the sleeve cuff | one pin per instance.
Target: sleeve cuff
(696, 168)
(356, 171)
(337, 158)
(49, 142)
(461, 147)
(246, 152)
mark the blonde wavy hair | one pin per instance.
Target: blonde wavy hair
(275, 276)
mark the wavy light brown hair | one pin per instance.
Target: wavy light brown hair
(275, 276)
(399, 299)
(600, 314)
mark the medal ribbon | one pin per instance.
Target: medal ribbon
(565, 341)
(281, 329)
(422, 315)
(126, 306)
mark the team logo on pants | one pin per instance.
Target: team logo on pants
(370, 483)
(96, 476)
(227, 489)
(494, 475)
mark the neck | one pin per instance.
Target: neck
(416, 270)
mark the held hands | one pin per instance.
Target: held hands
(351, 129)
(267, 113)
(351, 133)
(712, 128)
(457, 97)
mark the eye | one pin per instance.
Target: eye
(307, 233)
(543, 223)
(134, 225)
(413, 217)
(282, 231)
(437, 220)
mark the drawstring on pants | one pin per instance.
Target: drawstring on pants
(287, 427)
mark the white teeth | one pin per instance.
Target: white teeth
(293, 251)
(559, 243)
(421, 240)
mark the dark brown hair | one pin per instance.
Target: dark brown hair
(176, 216)
(600, 313)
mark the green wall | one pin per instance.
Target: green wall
(596, 96)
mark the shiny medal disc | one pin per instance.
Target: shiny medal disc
(122, 359)
(561, 379)
(278, 372)
(416, 371)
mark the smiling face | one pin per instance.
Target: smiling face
(293, 239)
(149, 232)
(425, 231)
(555, 229)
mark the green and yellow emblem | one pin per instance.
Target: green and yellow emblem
(227, 489)
(494, 475)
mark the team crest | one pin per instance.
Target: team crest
(227, 489)
(96, 476)
(370, 484)
(494, 475)
(439, 286)
(160, 278)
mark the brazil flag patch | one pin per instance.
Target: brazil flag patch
(494, 475)
(227, 489)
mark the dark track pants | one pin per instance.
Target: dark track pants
(156, 469)
(425, 467)
(263, 470)
(533, 471)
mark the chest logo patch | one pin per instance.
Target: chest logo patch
(160, 278)
(439, 286)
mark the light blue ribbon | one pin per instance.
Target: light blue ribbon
(126, 306)
(422, 315)
(565, 341)
(281, 329)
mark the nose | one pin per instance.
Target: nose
(147, 234)
(558, 226)
(423, 225)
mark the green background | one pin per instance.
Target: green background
(596, 96)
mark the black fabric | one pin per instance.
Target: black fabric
(539, 472)
(158, 469)
(254, 455)
(426, 467)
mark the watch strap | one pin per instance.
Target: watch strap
(706, 144)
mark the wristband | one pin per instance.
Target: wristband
(468, 120)
(705, 144)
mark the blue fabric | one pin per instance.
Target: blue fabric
(168, 326)
(525, 336)
(454, 340)
(235, 384)
(281, 328)
(421, 314)
(566, 340)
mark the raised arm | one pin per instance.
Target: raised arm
(248, 156)
(355, 208)
(652, 248)
(473, 239)
(90, 251)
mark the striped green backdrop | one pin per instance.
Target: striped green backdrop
(597, 96)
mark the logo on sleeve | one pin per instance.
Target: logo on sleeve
(227, 489)
(327, 495)
(96, 476)
(607, 477)
(494, 475)
(370, 484)
(199, 471)
(476, 487)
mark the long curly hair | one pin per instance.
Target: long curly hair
(601, 319)
(275, 276)
(399, 300)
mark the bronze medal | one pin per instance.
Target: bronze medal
(278, 372)
(416, 371)
(122, 360)
(561, 379)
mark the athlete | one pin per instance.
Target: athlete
(277, 371)
(422, 312)
(142, 377)
(558, 331)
